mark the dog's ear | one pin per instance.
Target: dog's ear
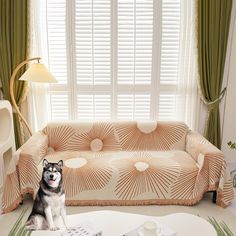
(45, 163)
(60, 163)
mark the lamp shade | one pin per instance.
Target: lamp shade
(38, 73)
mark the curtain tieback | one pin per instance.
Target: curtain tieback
(213, 104)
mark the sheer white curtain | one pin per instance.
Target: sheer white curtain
(187, 89)
(38, 99)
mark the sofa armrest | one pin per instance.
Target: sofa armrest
(196, 144)
(212, 166)
(35, 147)
(22, 174)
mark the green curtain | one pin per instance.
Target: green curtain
(213, 29)
(13, 50)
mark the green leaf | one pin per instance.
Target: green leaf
(18, 228)
(221, 228)
(232, 145)
(226, 229)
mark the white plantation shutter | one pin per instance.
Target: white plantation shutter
(93, 59)
(56, 19)
(93, 107)
(115, 59)
(59, 106)
(167, 106)
(170, 42)
(57, 53)
(170, 59)
(135, 26)
(93, 41)
(134, 58)
(133, 107)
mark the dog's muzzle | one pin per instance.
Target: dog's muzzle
(51, 179)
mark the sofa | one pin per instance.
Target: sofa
(121, 163)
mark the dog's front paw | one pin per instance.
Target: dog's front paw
(30, 227)
(54, 228)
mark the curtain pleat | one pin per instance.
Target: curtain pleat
(13, 50)
(213, 28)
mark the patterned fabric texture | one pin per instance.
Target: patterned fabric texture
(121, 163)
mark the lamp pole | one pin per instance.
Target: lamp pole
(13, 77)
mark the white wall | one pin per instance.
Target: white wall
(229, 118)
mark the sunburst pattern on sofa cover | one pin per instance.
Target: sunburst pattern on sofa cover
(122, 163)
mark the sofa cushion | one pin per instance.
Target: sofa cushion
(116, 136)
(149, 135)
(127, 175)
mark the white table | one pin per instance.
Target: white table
(114, 223)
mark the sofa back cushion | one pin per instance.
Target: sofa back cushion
(114, 136)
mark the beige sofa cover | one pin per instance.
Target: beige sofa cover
(121, 163)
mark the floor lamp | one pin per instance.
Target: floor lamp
(37, 72)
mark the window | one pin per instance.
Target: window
(116, 59)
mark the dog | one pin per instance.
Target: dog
(49, 203)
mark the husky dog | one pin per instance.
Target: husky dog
(49, 203)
